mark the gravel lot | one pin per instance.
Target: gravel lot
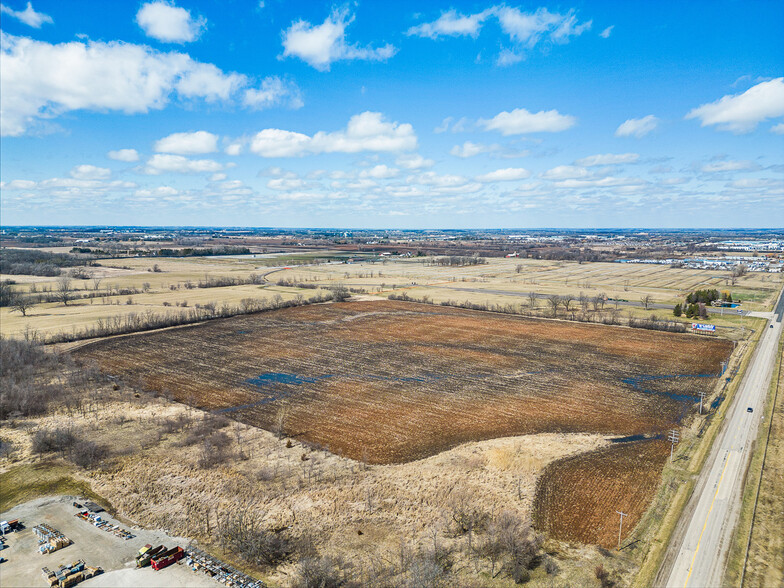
(95, 546)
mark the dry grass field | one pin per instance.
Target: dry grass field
(765, 564)
(496, 282)
(519, 276)
(389, 382)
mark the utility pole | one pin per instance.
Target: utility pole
(673, 438)
(620, 528)
(702, 397)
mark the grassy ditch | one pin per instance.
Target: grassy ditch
(678, 480)
(760, 496)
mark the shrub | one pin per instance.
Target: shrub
(87, 454)
(322, 572)
(50, 440)
(240, 532)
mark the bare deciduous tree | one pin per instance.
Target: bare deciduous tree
(21, 304)
(64, 290)
(567, 300)
(554, 301)
(646, 301)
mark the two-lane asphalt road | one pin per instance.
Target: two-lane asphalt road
(700, 553)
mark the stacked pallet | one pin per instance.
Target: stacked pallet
(70, 575)
(50, 539)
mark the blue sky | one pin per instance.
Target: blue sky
(380, 114)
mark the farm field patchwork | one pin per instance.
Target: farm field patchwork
(390, 382)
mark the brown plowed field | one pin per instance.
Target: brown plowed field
(393, 381)
(576, 497)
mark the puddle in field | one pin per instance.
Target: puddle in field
(636, 382)
(272, 378)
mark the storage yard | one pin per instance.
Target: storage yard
(89, 557)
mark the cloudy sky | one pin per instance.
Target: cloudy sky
(392, 114)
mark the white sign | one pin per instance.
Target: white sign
(701, 327)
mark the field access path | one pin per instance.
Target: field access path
(697, 556)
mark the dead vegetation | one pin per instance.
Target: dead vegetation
(389, 382)
(311, 517)
(321, 520)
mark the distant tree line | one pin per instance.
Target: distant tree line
(203, 251)
(612, 318)
(33, 262)
(458, 260)
(149, 320)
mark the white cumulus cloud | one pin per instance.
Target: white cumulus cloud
(508, 174)
(321, 45)
(90, 172)
(165, 163)
(279, 143)
(729, 165)
(42, 80)
(169, 23)
(521, 121)
(637, 127)
(528, 28)
(566, 172)
(741, 113)
(414, 161)
(471, 149)
(451, 23)
(195, 143)
(524, 29)
(129, 155)
(273, 91)
(608, 159)
(367, 131)
(28, 16)
(778, 129)
(234, 148)
(379, 172)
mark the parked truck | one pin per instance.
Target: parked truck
(145, 558)
(167, 558)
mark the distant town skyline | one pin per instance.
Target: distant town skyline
(378, 115)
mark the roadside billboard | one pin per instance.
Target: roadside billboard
(703, 328)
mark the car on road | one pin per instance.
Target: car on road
(749, 409)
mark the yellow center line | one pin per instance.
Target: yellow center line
(691, 567)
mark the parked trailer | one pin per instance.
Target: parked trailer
(167, 558)
(8, 526)
(144, 559)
